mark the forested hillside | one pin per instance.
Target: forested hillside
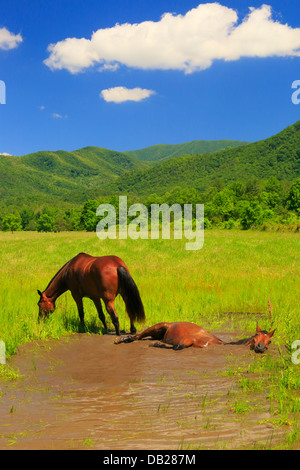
(254, 185)
(160, 152)
(60, 177)
(277, 156)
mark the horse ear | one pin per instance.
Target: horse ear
(39, 292)
(271, 333)
(258, 328)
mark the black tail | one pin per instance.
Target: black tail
(131, 296)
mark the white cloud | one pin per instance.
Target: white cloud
(108, 68)
(120, 94)
(6, 154)
(59, 116)
(9, 40)
(187, 42)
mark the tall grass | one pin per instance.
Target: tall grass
(234, 272)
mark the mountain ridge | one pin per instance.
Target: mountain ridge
(160, 152)
(71, 178)
(277, 156)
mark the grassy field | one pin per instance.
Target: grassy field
(234, 272)
(224, 286)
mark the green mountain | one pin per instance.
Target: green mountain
(71, 178)
(160, 152)
(277, 156)
(55, 177)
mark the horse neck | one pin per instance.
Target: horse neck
(57, 285)
(242, 341)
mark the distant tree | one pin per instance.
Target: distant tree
(270, 199)
(239, 209)
(12, 222)
(182, 196)
(154, 199)
(209, 194)
(114, 201)
(293, 198)
(223, 204)
(88, 218)
(27, 215)
(272, 185)
(252, 189)
(45, 223)
(252, 214)
(238, 188)
(72, 217)
(218, 183)
(32, 226)
(51, 211)
(62, 224)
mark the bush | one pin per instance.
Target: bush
(252, 215)
(229, 224)
(293, 199)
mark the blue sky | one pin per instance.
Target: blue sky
(169, 72)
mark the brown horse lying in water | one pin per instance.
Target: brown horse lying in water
(96, 278)
(184, 334)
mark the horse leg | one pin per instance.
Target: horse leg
(160, 345)
(132, 327)
(183, 343)
(101, 316)
(156, 332)
(79, 304)
(110, 307)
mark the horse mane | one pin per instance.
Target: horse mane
(241, 341)
(55, 275)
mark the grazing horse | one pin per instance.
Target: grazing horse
(184, 334)
(96, 278)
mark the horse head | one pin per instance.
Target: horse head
(45, 304)
(261, 340)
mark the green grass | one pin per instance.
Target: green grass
(233, 272)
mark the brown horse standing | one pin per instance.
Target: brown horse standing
(184, 334)
(96, 278)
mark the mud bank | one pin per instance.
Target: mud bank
(84, 392)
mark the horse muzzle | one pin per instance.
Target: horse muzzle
(43, 314)
(260, 348)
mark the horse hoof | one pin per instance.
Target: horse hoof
(178, 347)
(128, 339)
(124, 339)
(156, 345)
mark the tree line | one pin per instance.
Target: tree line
(244, 205)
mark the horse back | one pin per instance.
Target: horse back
(84, 262)
(94, 275)
(189, 334)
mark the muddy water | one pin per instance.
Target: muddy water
(84, 392)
